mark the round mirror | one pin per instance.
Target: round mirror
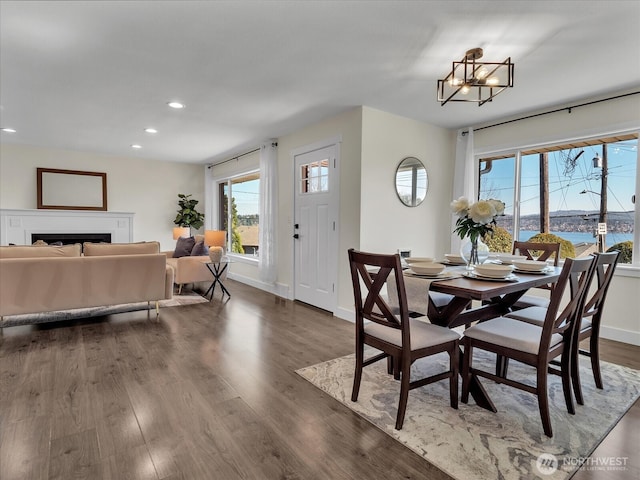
(411, 182)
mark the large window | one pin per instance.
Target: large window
(240, 209)
(583, 193)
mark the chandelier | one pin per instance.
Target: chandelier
(474, 81)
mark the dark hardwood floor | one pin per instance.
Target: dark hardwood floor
(208, 391)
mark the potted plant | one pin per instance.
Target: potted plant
(187, 215)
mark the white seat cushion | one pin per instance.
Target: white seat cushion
(535, 316)
(422, 334)
(531, 301)
(511, 333)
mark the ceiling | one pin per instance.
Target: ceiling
(92, 75)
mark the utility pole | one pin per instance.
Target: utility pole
(602, 218)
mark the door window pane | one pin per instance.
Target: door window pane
(314, 177)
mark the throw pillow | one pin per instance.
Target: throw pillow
(199, 249)
(184, 245)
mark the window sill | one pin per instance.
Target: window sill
(249, 260)
(627, 270)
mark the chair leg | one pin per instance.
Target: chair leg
(502, 365)
(390, 364)
(466, 367)
(543, 400)
(357, 376)
(454, 356)
(404, 392)
(575, 375)
(595, 360)
(566, 372)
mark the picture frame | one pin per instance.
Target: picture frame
(59, 189)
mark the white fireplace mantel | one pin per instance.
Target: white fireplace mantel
(16, 226)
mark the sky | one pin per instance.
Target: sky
(565, 186)
(247, 195)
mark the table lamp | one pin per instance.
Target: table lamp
(215, 240)
(181, 232)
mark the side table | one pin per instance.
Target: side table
(217, 270)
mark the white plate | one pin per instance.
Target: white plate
(509, 278)
(439, 276)
(544, 271)
(449, 262)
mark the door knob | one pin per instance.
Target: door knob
(295, 235)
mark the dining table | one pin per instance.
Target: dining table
(470, 298)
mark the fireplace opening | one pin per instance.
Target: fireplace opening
(70, 238)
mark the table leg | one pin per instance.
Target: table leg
(444, 318)
(217, 273)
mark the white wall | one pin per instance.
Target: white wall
(387, 224)
(147, 188)
(621, 320)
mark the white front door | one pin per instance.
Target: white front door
(316, 227)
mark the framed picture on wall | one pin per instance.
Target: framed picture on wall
(71, 189)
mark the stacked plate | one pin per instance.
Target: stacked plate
(506, 258)
(492, 270)
(427, 268)
(412, 260)
(454, 259)
(532, 266)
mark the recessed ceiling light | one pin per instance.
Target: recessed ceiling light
(151, 130)
(9, 130)
(136, 146)
(176, 105)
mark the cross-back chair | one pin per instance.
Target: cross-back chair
(401, 339)
(534, 345)
(589, 326)
(536, 251)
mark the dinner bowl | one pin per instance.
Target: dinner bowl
(454, 258)
(506, 258)
(427, 268)
(412, 260)
(530, 265)
(493, 270)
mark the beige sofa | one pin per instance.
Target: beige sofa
(44, 279)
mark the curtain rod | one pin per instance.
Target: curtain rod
(273, 144)
(568, 109)
(234, 158)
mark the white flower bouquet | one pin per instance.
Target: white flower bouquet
(477, 219)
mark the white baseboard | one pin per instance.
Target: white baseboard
(619, 335)
(278, 289)
(345, 314)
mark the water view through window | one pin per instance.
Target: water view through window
(567, 192)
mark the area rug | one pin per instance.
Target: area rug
(33, 318)
(473, 443)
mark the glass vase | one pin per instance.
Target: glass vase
(474, 253)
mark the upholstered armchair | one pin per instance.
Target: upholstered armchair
(190, 264)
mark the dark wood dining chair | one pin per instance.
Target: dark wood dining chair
(536, 251)
(401, 339)
(589, 326)
(532, 344)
